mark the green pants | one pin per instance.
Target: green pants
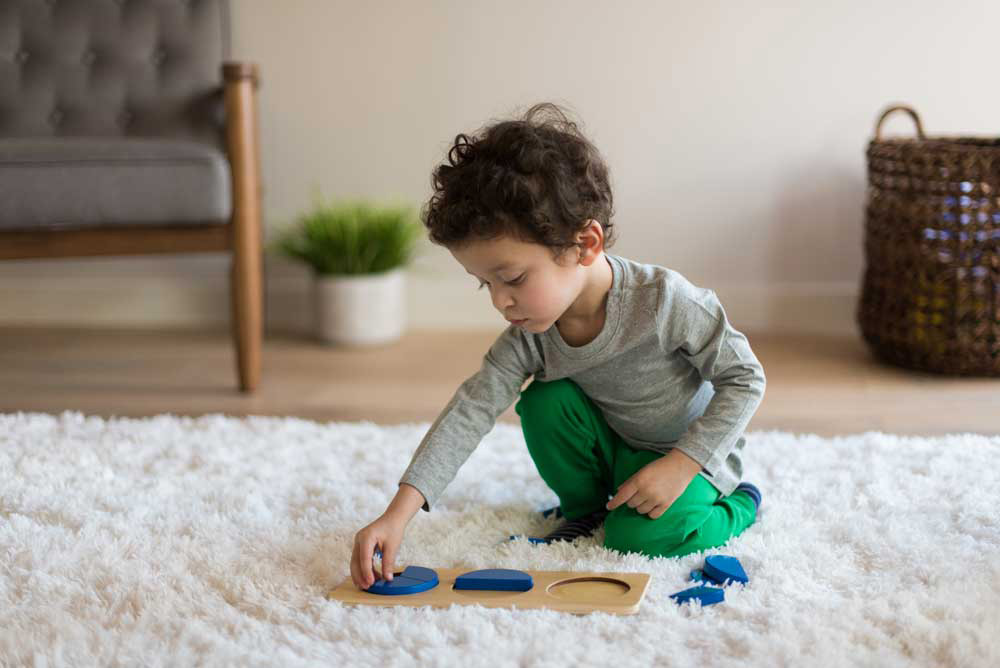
(584, 461)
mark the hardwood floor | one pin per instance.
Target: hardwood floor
(822, 385)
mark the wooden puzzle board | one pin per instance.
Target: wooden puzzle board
(578, 592)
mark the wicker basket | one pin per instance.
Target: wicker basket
(930, 297)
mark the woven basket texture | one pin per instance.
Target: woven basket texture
(930, 297)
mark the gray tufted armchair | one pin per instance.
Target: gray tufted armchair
(124, 130)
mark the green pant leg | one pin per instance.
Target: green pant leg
(584, 461)
(731, 515)
(697, 520)
(570, 443)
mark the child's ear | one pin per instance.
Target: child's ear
(591, 239)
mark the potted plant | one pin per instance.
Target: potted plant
(358, 253)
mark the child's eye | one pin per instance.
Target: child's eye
(516, 281)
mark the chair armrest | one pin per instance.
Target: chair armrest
(234, 72)
(213, 105)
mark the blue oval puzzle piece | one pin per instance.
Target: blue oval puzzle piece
(495, 579)
(413, 580)
(707, 595)
(722, 569)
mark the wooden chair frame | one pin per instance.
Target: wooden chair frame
(241, 236)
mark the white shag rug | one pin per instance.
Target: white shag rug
(214, 541)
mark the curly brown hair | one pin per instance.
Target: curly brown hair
(535, 179)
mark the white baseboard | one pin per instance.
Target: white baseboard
(192, 291)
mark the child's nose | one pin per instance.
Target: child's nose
(502, 301)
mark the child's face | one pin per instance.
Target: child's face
(532, 287)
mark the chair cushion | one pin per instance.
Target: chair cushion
(57, 182)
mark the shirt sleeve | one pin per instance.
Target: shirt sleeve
(471, 414)
(693, 324)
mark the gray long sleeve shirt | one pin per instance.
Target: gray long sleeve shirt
(667, 371)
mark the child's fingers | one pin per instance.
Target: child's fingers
(366, 563)
(355, 571)
(375, 567)
(387, 564)
(647, 506)
(625, 493)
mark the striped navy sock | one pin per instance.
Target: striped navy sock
(752, 491)
(582, 526)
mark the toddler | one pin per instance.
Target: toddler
(641, 387)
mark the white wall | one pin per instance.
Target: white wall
(735, 134)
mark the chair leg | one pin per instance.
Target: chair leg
(247, 321)
(247, 299)
(247, 289)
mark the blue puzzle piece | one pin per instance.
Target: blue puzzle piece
(412, 580)
(699, 576)
(707, 595)
(722, 569)
(495, 579)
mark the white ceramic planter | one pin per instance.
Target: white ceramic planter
(365, 309)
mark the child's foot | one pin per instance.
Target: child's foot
(582, 526)
(751, 491)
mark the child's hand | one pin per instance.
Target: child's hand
(387, 533)
(654, 488)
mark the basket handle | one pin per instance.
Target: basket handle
(901, 107)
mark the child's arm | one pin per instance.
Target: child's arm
(406, 503)
(693, 324)
(470, 415)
